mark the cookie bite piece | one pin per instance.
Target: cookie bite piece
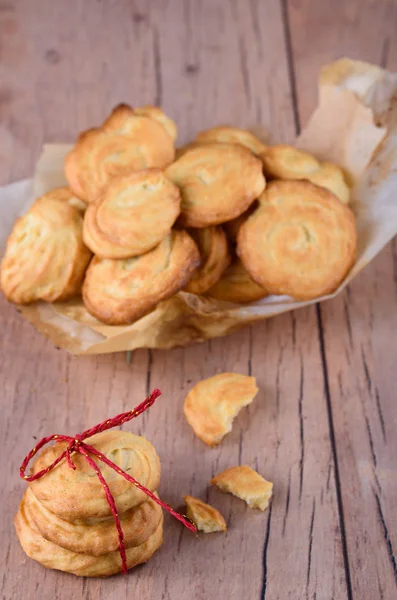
(246, 484)
(45, 257)
(129, 140)
(218, 182)
(288, 162)
(212, 404)
(206, 518)
(121, 291)
(236, 285)
(135, 212)
(301, 241)
(215, 258)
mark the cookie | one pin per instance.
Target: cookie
(134, 214)
(218, 182)
(127, 141)
(232, 227)
(118, 292)
(78, 494)
(95, 536)
(246, 484)
(236, 285)
(212, 404)
(204, 516)
(287, 162)
(232, 135)
(215, 258)
(45, 258)
(301, 241)
(155, 113)
(54, 556)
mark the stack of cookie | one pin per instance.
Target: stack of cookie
(65, 522)
(225, 216)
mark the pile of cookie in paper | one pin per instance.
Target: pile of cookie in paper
(65, 521)
(225, 216)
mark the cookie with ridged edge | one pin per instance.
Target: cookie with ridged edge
(52, 556)
(45, 258)
(134, 214)
(288, 162)
(78, 494)
(236, 285)
(301, 241)
(218, 182)
(246, 484)
(96, 536)
(121, 291)
(127, 141)
(232, 135)
(206, 517)
(215, 258)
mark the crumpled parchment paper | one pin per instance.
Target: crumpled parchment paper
(355, 126)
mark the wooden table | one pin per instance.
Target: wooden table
(324, 425)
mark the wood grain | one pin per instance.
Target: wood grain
(322, 425)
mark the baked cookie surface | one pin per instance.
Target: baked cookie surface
(78, 494)
(232, 135)
(301, 241)
(45, 258)
(212, 404)
(236, 285)
(53, 556)
(246, 484)
(121, 291)
(134, 214)
(218, 182)
(204, 516)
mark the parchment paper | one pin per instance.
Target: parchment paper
(355, 126)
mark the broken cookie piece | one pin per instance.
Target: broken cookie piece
(212, 404)
(204, 516)
(246, 484)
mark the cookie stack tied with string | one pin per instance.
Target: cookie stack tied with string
(65, 520)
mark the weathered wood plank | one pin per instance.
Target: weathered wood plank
(358, 328)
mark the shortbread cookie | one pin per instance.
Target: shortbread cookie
(127, 141)
(236, 285)
(287, 162)
(232, 135)
(218, 182)
(52, 556)
(78, 494)
(246, 484)
(118, 292)
(232, 227)
(301, 241)
(45, 258)
(215, 258)
(95, 536)
(133, 215)
(204, 516)
(212, 404)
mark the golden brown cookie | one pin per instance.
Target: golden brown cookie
(53, 556)
(45, 258)
(155, 113)
(246, 484)
(218, 182)
(232, 135)
(118, 292)
(236, 285)
(78, 494)
(301, 241)
(212, 404)
(66, 195)
(95, 536)
(127, 141)
(215, 258)
(133, 215)
(204, 516)
(287, 162)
